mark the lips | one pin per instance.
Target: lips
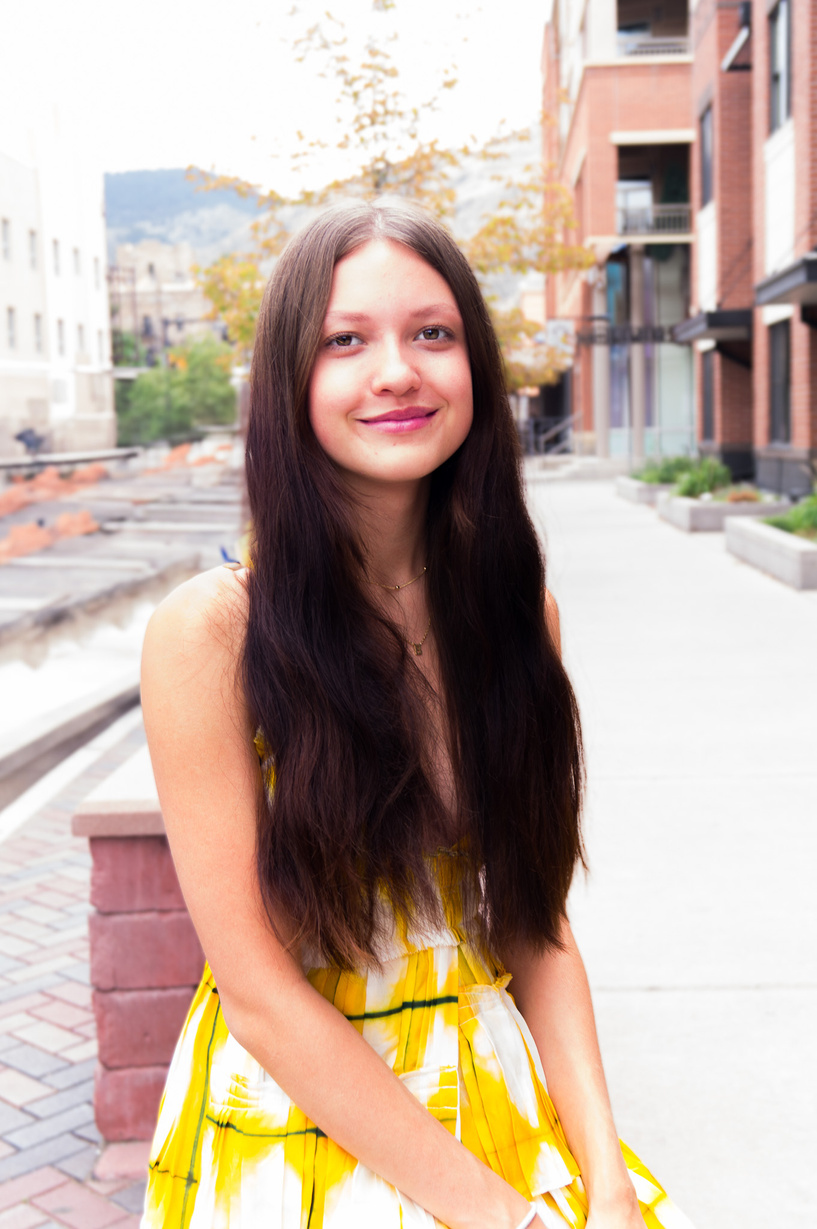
(403, 414)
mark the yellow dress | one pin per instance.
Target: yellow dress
(231, 1151)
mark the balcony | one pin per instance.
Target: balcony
(647, 29)
(653, 219)
(637, 44)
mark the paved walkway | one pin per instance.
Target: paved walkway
(50, 1171)
(697, 678)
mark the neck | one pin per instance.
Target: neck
(393, 528)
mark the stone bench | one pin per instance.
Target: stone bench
(145, 956)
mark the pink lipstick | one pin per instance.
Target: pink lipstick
(407, 418)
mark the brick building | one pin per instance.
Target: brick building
(783, 44)
(719, 328)
(753, 320)
(617, 80)
(697, 127)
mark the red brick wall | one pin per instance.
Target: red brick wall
(145, 964)
(733, 403)
(622, 97)
(804, 111)
(715, 26)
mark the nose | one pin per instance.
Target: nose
(395, 370)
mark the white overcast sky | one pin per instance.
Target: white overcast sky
(168, 83)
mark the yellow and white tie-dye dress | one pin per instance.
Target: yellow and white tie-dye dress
(231, 1151)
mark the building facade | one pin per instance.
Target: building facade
(617, 84)
(55, 365)
(755, 328)
(156, 299)
(719, 327)
(697, 127)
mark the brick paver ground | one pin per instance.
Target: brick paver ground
(52, 1169)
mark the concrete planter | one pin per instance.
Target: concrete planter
(782, 555)
(710, 515)
(145, 956)
(639, 492)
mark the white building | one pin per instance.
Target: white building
(155, 296)
(55, 364)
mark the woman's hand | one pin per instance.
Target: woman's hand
(623, 1213)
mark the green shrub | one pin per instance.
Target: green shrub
(706, 475)
(664, 471)
(802, 519)
(169, 403)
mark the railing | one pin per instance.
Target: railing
(654, 220)
(644, 44)
(536, 443)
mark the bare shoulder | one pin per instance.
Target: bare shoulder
(552, 620)
(210, 606)
(197, 632)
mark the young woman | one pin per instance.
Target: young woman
(369, 761)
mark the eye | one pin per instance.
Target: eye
(342, 341)
(435, 332)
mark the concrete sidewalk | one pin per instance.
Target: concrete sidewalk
(697, 679)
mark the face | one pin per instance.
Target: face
(390, 393)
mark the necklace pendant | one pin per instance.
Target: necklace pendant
(418, 649)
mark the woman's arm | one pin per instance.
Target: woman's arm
(200, 736)
(553, 995)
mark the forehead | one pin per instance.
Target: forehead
(383, 270)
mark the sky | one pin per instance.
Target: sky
(169, 83)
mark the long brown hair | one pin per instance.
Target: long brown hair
(328, 679)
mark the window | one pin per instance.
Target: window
(780, 382)
(11, 327)
(5, 227)
(32, 249)
(708, 407)
(81, 339)
(96, 273)
(706, 157)
(60, 337)
(77, 265)
(100, 345)
(780, 65)
(57, 257)
(38, 333)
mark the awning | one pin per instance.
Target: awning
(715, 326)
(795, 284)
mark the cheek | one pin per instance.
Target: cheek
(321, 401)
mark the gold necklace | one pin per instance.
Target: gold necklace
(394, 588)
(418, 645)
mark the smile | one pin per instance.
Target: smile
(410, 418)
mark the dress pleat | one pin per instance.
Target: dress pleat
(231, 1150)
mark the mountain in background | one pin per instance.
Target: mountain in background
(168, 206)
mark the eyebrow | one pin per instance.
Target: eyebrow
(430, 309)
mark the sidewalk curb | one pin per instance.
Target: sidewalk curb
(67, 722)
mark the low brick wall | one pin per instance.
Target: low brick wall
(145, 956)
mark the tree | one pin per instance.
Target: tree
(170, 402)
(530, 229)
